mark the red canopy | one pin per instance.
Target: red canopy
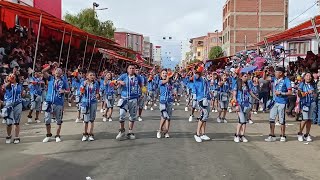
(9, 10)
(119, 56)
(300, 30)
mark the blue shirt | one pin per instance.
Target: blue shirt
(102, 86)
(243, 95)
(189, 83)
(200, 88)
(309, 98)
(53, 94)
(75, 84)
(282, 85)
(151, 86)
(213, 85)
(13, 94)
(131, 88)
(224, 88)
(177, 83)
(166, 95)
(35, 89)
(89, 95)
(233, 82)
(144, 83)
(65, 79)
(108, 89)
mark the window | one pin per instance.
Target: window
(299, 47)
(214, 40)
(199, 53)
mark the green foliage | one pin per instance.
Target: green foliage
(194, 61)
(215, 52)
(87, 20)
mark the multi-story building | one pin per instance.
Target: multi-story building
(129, 39)
(210, 41)
(197, 48)
(151, 53)
(157, 55)
(146, 48)
(247, 22)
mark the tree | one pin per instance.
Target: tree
(215, 52)
(87, 20)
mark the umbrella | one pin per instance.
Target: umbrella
(279, 47)
(248, 69)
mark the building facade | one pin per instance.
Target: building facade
(129, 39)
(210, 41)
(53, 7)
(157, 55)
(197, 48)
(146, 49)
(247, 22)
(298, 47)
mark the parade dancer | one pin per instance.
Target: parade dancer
(53, 105)
(109, 87)
(35, 85)
(214, 93)
(12, 106)
(102, 93)
(166, 104)
(255, 89)
(192, 99)
(177, 88)
(308, 106)
(76, 82)
(142, 93)
(130, 84)
(89, 90)
(241, 96)
(223, 91)
(189, 84)
(200, 91)
(151, 93)
(281, 90)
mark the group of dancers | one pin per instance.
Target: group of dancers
(206, 92)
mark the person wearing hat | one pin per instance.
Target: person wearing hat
(201, 93)
(281, 90)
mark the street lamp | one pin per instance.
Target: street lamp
(96, 5)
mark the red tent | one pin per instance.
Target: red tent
(300, 30)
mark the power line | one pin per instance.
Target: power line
(290, 20)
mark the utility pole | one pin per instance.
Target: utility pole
(318, 4)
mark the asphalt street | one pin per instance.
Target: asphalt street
(149, 158)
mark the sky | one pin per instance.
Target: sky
(179, 19)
